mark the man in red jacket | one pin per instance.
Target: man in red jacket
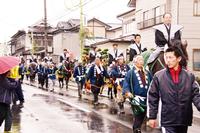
(176, 89)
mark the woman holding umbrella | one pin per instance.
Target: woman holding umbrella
(6, 88)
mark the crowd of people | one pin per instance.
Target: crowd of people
(143, 89)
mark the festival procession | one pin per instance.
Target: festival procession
(140, 75)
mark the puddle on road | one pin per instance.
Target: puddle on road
(100, 105)
(91, 122)
(85, 122)
(16, 121)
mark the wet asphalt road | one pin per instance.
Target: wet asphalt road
(45, 112)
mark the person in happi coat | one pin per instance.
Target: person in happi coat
(52, 74)
(165, 34)
(64, 56)
(135, 86)
(136, 48)
(113, 54)
(96, 75)
(118, 73)
(79, 75)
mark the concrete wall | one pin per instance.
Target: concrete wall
(118, 32)
(97, 29)
(110, 34)
(58, 44)
(69, 41)
(128, 24)
(191, 31)
(28, 44)
(148, 34)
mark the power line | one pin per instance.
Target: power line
(78, 6)
(97, 6)
(74, 8)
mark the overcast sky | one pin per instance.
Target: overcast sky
(19, 14)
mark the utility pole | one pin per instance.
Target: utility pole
(81, 35)
(45, 27)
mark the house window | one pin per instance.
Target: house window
(128, 26)
(38, 42)
(49, 43)
(151, 14)
(196, 7)
(157, 11)
(196, 59)
(145, 19)
(145, 16)
(125, 28)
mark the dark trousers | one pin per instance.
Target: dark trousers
(22, 78)
(60, 80)
(67, 82)
(27, 76)
(110, 91)
(19, 93)
(44, 80)
(139, 120)
(5, 114)
(80, 88)
(175, 129)
(95, 91)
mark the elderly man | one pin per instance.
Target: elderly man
(135, 86)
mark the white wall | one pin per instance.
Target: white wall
(57, 44)
(72, 43)
(148, 34)
(144, 5)
(28, 44)
(191, 31)
(97, 29)
(69, 41)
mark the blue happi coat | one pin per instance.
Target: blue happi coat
(96, 79)
(119, 72)
(79, 73)
(133, 83)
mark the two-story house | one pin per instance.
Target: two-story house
(66, 36)
(105, 35)
(36, 34)
(20, 43)
(184, 12)
(32, 41)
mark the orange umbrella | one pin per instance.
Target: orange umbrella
(8, 62)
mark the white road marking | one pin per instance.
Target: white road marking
(75, 106)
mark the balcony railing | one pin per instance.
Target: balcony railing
(149, 23)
